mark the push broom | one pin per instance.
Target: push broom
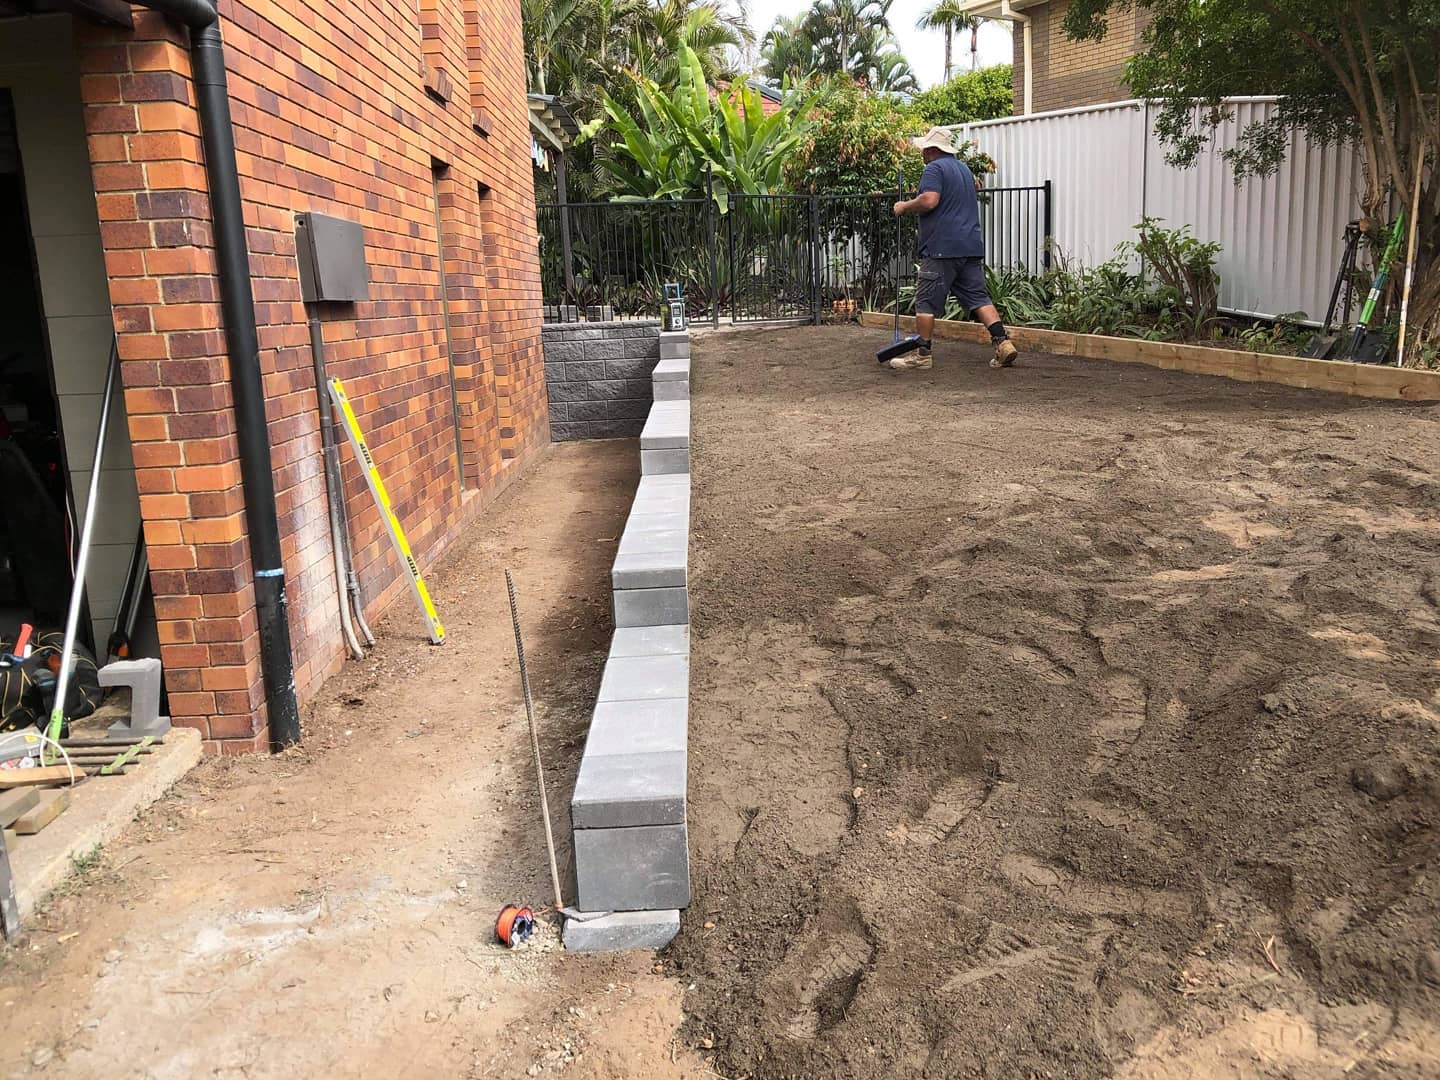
(899, 346)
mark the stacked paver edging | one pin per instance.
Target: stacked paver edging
(598, 377)
(632, 853)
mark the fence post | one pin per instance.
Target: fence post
(564, 211)
(734, 270)
(1049, 227)
(815, 259)
(710, 233)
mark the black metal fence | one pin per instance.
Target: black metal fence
(760, 258)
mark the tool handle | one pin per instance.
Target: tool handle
(899, 239)
(23, 641)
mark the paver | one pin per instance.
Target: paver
(650, 641)
(649, 570)
(651, 607)
(623, 790)
(621, 930)
(636, 869)
(674, 344)
(637, 727)
(664, 461)
(668, 427)
(673, 369)
(672, 391)
(645, 678)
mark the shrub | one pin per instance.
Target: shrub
(976, 95)
(1185, 266)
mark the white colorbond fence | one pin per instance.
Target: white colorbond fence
(1281, 236)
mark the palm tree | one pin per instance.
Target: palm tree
(949, 16)
(789, 52)
(849, 33)
(716, 33)
(890, 73)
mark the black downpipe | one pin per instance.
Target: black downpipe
(237, 301)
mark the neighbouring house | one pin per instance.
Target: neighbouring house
(771, 99)
(1051, 71)
(126, 213)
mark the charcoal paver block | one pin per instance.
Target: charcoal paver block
(651, 607)
(605, 349)
(584, 370)
(650, 641)
(668, 427)
(556, 350)
(621, 930)
(657, 462)
(672, 391)
(590, 410)
(645, 678)
(622, 791)
(639, 727)
(646, 868)
(630, 367)
(560, 391)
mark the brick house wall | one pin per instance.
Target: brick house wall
(1069, 73)
(370, 110)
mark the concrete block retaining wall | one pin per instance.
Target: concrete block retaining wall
(598, 377)
(628, 811)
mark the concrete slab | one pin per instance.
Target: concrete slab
(659, 521)
(668, 426)
(640, 869)
(621, 930)
(653, 462)
(673, 369)
(655, 541)
(672, 391)
(100, 809)
(616, 791)
(639, 727)
(645, 678)
(649, 570)
(652, 607)
(674, 500)
(650, 641)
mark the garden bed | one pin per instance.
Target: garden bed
(1333, 376)
(1075, 720)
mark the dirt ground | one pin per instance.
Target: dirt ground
(330, 912)
(1072, 721)
(1077, 720)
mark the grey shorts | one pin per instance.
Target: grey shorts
(963, 279)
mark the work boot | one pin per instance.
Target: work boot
(1005, 353)
(919, 360)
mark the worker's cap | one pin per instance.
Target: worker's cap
(938, 137)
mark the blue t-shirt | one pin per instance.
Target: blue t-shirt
(952, 229)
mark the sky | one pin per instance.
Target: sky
(925, 49)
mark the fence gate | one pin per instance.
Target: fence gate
(770, 247)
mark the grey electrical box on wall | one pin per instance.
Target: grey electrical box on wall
(331, 252)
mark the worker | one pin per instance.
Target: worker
(951, 251)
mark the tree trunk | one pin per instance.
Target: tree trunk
(975, 46)
(949, 40)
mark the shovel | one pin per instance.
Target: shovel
(1367, 346)
(1321, 346)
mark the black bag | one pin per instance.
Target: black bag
(27, 690)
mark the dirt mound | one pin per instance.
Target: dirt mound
(1077, 720)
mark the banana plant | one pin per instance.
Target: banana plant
(679, 135)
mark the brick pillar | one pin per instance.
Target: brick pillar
(154, 209)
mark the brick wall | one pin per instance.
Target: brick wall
(598, 377)
(368, 110)
(1074, 73)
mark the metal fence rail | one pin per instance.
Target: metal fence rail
(759, 258)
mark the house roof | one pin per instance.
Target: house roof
(997, 9)
(551, 123)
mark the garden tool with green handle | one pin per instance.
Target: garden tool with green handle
(1367, 346)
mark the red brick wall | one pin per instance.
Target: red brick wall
(1069, 73)
(332, 114)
